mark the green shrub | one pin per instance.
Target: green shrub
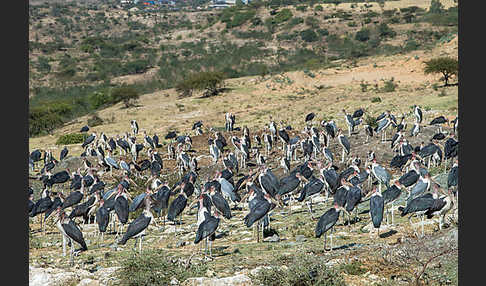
(301, 8)
(43, 64)
(312, 22)
(282, 16)
(309, 35)
(385, 31)
(294, 22)
(389, 86)
(46, 117)
(353, 268)
(302, 270)
(318, 8)
(99, 98)
(207, 81)
(155, 268)
(72, 138)
(363, 35)
(364, 86)
(411, 45)
(322, 32)
(95, 120)
(370, 120)
(376, 99)
(126, 94)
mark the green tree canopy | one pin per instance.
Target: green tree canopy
(446, 66)
(209, 82)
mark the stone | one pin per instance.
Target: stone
(237, 280)
(174, 281)
(274, 238)
(88, 282)
(300, 238)
(180, 243)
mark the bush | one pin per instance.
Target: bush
(126, 94)
(95, 120)
(318, 8)
(99, 98)
(353, 268)
(309, 35)
(370, 120)
(43, 64)
(72, 138)
(312, 22)
(376, 99)
(155, 268)
(389, 86)
(363, 35)
(385, 31)
(302, 270)
(323, 32)
(301, 8)
(282, 16)
(207, 81)
(46, 117)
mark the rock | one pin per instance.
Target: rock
(210, 273)
(88, 282)
(55, 276)
(333, 262)
(255, 271)
(174, 281)
(300, 238)
(274, 238)
(180, 243)
(237, 280)
(105, 275)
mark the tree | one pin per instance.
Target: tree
(446, 66)
(209, 82)
(436, 7)
(363, 35)
(126, 94)
(309, 35)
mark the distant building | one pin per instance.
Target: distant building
(226, 3)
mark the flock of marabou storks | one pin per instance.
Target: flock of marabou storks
(241, 173)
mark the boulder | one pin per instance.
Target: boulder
(237, 280)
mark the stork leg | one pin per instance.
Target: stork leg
(392, 213)
(325, 241)
(71, 258)
(140, 244)
(332, 231)
(422, 223)
(64, 242)
(135, 244)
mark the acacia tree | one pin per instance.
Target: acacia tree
(208, 82)
(448, 67)
(126, 94)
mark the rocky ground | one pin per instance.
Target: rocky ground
(236, 254)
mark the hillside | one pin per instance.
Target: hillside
(76, 51)
(267, 78)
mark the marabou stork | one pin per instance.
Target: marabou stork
(326, 222)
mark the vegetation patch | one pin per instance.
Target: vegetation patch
(72, 138)
(300, 270)
(156, 268)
